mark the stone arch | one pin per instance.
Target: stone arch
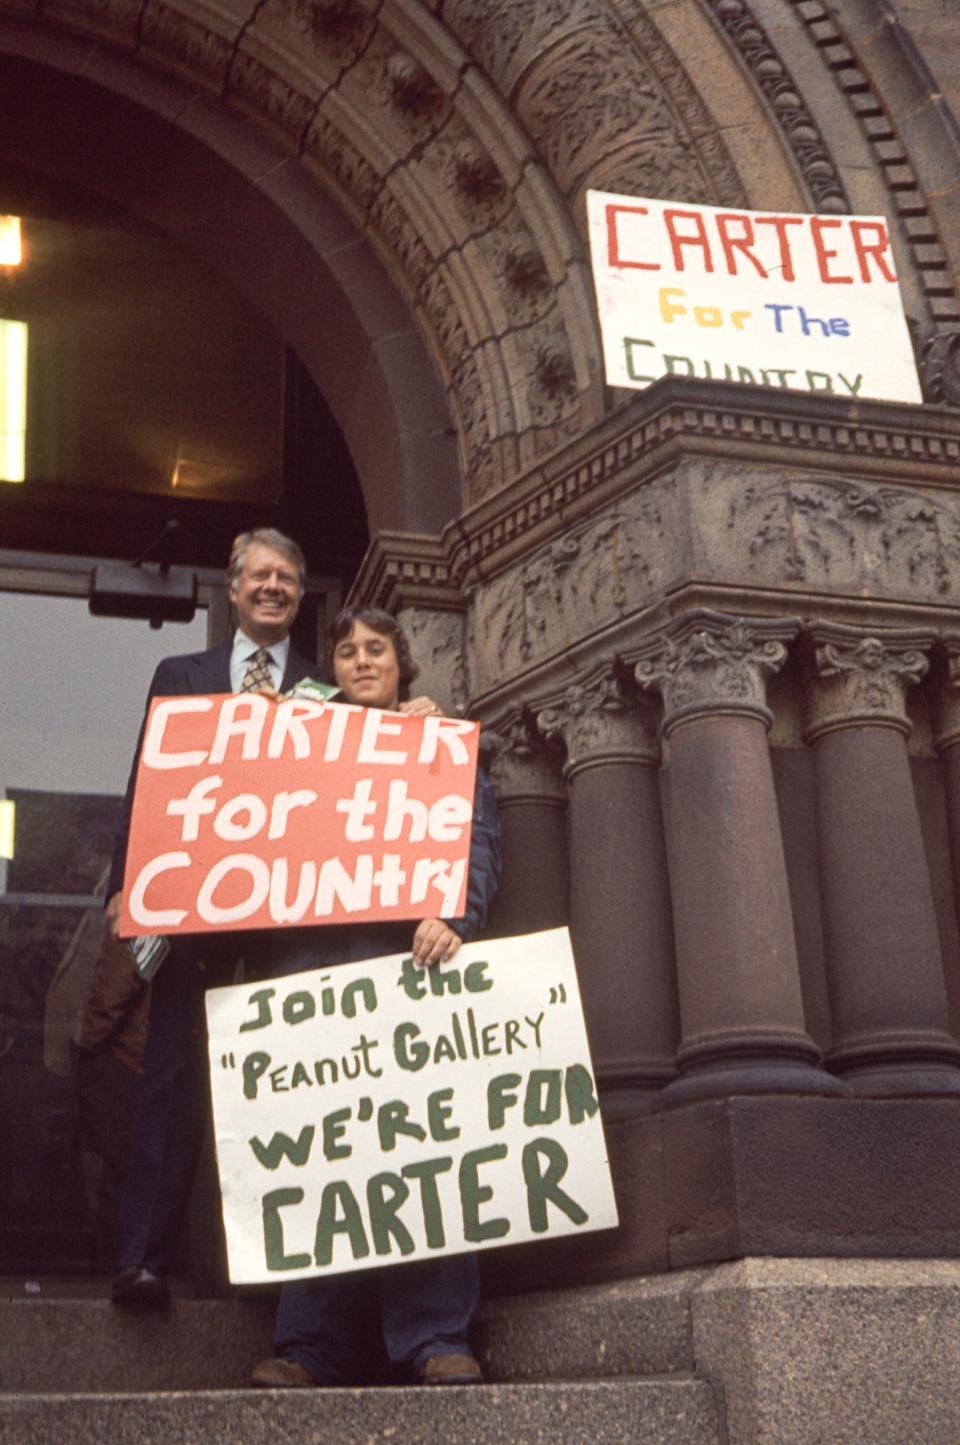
(194, 172)
(463, 172)
(453, 144)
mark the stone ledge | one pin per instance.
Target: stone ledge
(661, 1412)
(845, 1351)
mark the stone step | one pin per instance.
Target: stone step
(637, 1412)
(59, 1339)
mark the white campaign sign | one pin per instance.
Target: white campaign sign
(781, 300)
(376, 1112)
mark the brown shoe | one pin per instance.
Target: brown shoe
(451, 1370)
(281, 1375)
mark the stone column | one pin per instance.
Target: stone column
(946, 736)
(619, 892)
(534, 885)
(740, 1002)
(885, 968)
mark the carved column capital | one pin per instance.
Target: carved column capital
(860, 679)
(946, 695)
(523, 770)
(714, 665)
(599, 725)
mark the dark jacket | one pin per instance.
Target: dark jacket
(190, 674)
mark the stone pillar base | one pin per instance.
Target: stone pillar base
(854, 1350)
(722, 1179)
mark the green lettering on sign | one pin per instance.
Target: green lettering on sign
(272, 1204)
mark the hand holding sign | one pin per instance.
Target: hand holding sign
(375, 1112)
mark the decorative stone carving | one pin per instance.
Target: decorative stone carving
(545, 603)
(411, 88)
(524, 269)
(436, 645)
(825, 531)
(475, 173)
(940, 367)
(338, 26)
(787, 108)
(524, 770)
(598, 724)
(714, 665)
(187, 45)
(855, 80)
(592, 94)
(859, 680)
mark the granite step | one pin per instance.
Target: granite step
(678, 1411)
(64, 1337)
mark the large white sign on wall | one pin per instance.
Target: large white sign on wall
(377, 1112)
(798, 301)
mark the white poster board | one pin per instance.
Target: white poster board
(782, 300)
(376, 1112)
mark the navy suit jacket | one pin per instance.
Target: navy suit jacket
(191, 673)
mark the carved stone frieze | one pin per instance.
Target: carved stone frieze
(743, 513)
(569, 588)
(829, 532)
(525, 770)
(857, 679)
(712, 665)
(436, 645)
(599, 725)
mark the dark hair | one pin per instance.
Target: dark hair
(378, 621)
(264, 537)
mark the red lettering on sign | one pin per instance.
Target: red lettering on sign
(818, 225)
(613, 240)
(878, 249)
(731, 243)
(677, 239)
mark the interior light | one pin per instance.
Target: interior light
(8, 810)
(11, 242)
(13, 400)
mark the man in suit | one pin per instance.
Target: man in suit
(265, 583)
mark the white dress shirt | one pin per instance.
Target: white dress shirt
(243, 650)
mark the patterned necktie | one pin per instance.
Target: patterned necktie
(258, 672)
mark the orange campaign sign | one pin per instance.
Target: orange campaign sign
(253, 814)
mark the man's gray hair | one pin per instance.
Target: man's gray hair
(264, 537)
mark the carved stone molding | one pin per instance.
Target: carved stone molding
(599, 726)
(902, 446)
(861, 680)
(405, 569)
(785, 103)
(859, 81)
(524, 770)
(714, 665)
(940, 367)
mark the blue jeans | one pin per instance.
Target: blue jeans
(336, 1326)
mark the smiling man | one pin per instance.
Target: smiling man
(265, 582)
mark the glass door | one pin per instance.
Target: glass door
(72, 691)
